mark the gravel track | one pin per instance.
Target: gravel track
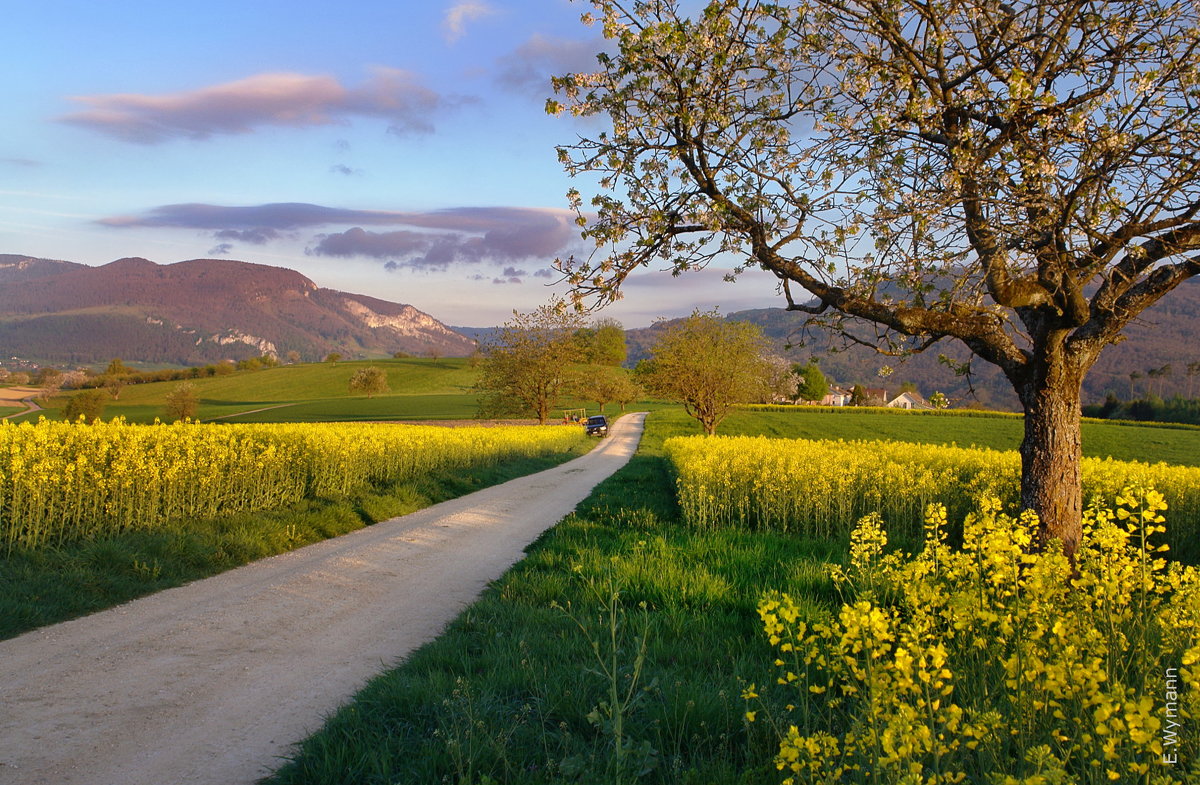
(212, 682)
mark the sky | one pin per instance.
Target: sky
(398, 149)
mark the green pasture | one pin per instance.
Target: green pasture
(1150, 442)
(321, 390)
(381, 407)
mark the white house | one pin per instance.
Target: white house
(909, 400)
(836, 397)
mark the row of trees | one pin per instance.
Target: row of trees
(1160, 375)
(538, 358)
(704, 362)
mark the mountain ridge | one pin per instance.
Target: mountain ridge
(197, 311)
(1165, 334)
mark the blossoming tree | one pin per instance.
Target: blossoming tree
(1021, 177)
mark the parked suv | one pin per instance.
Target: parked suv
(597, 425)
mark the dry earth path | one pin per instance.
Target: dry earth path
(213, 681)
(19, 396)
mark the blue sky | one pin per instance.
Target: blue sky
(397, 149)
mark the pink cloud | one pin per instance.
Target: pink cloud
(273, 99)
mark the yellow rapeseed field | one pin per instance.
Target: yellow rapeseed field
(61, 481)
(821, 487)
(993, 664)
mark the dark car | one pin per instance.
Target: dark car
(597, 425)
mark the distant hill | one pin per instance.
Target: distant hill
(198, 311)
(1167, 334)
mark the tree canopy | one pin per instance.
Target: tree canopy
(1020, 177)
(708, 364)
(811, 383)
(527, 367)
(605, 384)
(182, 402)
(602, 342)
(369, 381)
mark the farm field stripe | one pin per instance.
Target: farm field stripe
(211, 682)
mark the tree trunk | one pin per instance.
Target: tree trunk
(1051, 452)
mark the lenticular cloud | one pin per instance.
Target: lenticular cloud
(274, 99)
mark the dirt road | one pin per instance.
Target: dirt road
(211, 682)
(19, 396)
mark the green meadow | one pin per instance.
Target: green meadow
(425, 389)
(420, 389)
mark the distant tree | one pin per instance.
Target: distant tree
(182, 402)
(1110, 407)
(627, 390)
(117, 368)
(369, 381)
(333, 357)
(708, 364)
(602, 343)
(1164, 373)
(401, 355)
(49, 382)
(433, 353)
(604, 384)
(1133, 377)
(250, 364)
(48, 376)
(778, 382)
(87, 403)
(293, 357)
(224, 368)
(18, 378)
(74, 380)
(811, 384)
(527, 366)
(114, 385)
(1192, 370)
(858, 396)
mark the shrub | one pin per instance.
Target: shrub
(182, 402)
(369, 381)
(88, 404)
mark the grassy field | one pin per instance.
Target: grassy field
(1101, 439)
(320, 390)
(619, 649)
